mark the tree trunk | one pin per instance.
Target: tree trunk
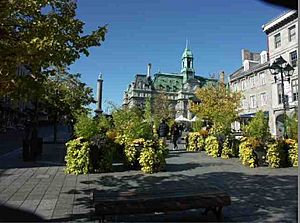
(55, 128)
(36, 119)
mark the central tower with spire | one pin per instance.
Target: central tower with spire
(178, 87)
(187, 64)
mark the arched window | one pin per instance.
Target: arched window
(189, 64)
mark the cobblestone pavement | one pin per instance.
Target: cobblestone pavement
(258, 195)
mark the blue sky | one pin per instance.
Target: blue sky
(144, 31)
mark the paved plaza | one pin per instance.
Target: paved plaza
(43, 189)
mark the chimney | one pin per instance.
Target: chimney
(149, 70)
(246, 65)
(263, 57)
(245, 55)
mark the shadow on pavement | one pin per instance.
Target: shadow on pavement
(10, 214)
(171, 167)
(255, 198)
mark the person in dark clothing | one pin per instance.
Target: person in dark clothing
(175, 133)
(163, 130)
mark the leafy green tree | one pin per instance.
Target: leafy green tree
(66, 96)
(218, 106)
(197, 125)
(162, 108)
(258, 128)
(46, 35)
(292, 126)
(129, 124)
(148, 111)
(88, 127)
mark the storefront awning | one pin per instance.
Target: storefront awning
(251, 115)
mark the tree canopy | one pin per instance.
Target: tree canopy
(45, 35)
(67, 95)
(292, 125)
(162, 108)
(218, 105)
(258, 127)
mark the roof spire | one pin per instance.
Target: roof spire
(186, 43)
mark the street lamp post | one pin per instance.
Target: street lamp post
(280, 66)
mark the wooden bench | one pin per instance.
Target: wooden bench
(138, 201)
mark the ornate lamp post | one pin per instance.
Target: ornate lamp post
(282, 67)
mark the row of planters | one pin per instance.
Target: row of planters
(279, 153)
(197, 141)
(256, 148)
(125, 137)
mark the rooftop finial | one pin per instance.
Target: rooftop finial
(149, 70)
(100, 76)
(186, 43)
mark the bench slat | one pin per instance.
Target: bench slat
(130, 202)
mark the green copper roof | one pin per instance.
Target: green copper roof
(187, 53)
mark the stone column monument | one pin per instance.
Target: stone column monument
(99, 95)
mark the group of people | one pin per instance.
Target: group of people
(176, 130)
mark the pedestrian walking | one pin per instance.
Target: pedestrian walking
(163, 130)
(175, 134)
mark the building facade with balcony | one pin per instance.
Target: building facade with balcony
(178, 87)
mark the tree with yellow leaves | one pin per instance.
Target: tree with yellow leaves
(218, 105)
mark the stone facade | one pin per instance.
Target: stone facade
(179, 87)
(282, 36)
(255, 80)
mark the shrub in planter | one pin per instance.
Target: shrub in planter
(201, 143)
(235, 143)
(111, 134)
(77, 158)
(258, 128)
(230, 148)
(293, 152)
(212, 146)
(86, 126)
(101, 154)
(276, 155)
(153, 156)
(132, 152)
(196, 142)
(192, 139)
(203, 133)
(246, 152)
(226, 150)
(129, 125)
